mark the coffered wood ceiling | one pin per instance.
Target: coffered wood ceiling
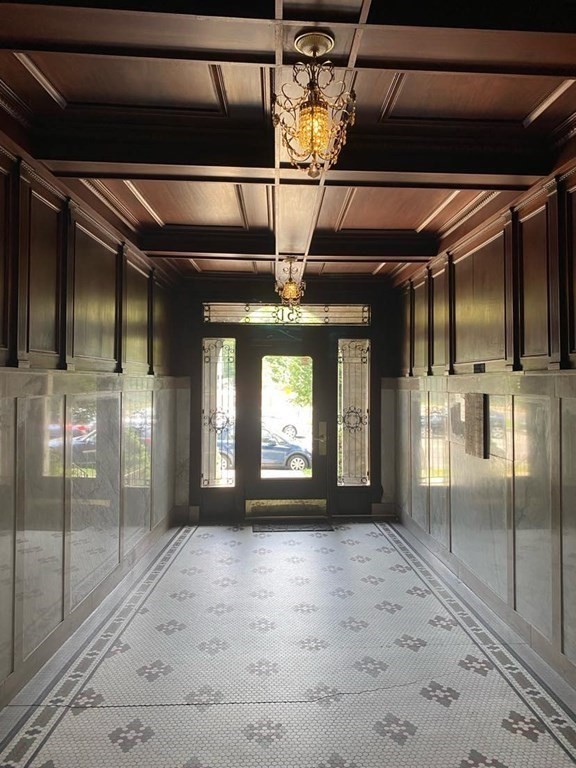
(158, 115)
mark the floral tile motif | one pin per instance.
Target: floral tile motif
(324, 695)
(477, 760)
(220, 609)
(262, 625)
(154, 671)
(313, 644)
(170, 627)
(396, 729)
(133, 734)
(413, 643)
(372, 667)
(214, 646)
(264, 732)
(356, 625)
(444, 695)
(443, 622)
(526, 726)
(418, 591)
(86, 698)
(263, 668)
(305, 608)
(341, 592)
(204, 698)
(473, 664)
(388, 607)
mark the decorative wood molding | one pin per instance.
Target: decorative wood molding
(143, 202)
(392, 95)
(242, 206)
(437, 210)
(41, 79)
(101, 191)
(219, 88)
(11, 103)
(547, 102)
(345, 209)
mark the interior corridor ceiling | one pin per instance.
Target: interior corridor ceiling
(158, 115)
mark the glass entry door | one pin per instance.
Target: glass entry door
(282, 415)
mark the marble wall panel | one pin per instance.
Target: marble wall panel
(163, 454)
(419, 432)
(388, 445)
(478, 501)
(94, 472)
(7, 512)
(182, 478)
(403, 459)
(532, 513)
(40, 541)
(569, 525)
(137, 466)
(439, 473)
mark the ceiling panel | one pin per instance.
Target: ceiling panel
(456, 202)
(351, 268)
(372, 91)
(127, 195)
(467, 47)
(333, 206)
(204, 204)
(375, 209)
(322, 9)
(135, 82)
(43, 24)
(296, 213)
(257, 201)
(471, 97)
(225, 265)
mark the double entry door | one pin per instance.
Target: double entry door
(285, 423)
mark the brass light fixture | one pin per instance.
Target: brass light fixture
(314, 110)
(289, 284)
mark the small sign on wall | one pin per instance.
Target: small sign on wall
(475, 435)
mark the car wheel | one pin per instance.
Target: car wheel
(290, 430)
(297, 463)
(225, 462)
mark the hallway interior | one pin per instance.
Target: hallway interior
(318, 649)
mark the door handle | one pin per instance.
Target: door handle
(321, 439)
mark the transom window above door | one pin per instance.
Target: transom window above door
(278, 314)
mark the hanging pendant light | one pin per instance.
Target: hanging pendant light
(289, 284)
(314, 110)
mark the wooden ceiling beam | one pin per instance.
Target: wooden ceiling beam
(193, 242)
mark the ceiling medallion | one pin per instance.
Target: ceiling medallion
(289, 283)
(314, 110)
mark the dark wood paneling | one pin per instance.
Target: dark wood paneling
(421, 325)
(202, 204)
(571, 256)
(94, 298)
(391, 208)
(470, 97)
(43, 277)
(440, 317)
(534, 293)
(162, 334)
(4, 187)
(480, 304)
(136, 314)
(407, 330)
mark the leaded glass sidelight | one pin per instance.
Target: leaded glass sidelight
(218, 412)
(353, 412)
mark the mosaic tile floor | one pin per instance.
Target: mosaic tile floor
(313, 649)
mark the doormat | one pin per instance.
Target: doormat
(289, 527)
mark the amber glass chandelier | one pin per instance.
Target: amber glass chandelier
(289, 284)
(314, 110)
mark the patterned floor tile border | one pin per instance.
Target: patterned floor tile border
(560, 723)
(24, 740)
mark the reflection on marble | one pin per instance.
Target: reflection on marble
(40, 546)
(95, 490)
(532, 516)
(403, 462)
(457, 406)
(182, 478)
(419, 429)
(439, 468)
(569, 525)
(163, 454)
(137, 442)
(7, 416)
(478, 500)
(388, 445)
(500, 426)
